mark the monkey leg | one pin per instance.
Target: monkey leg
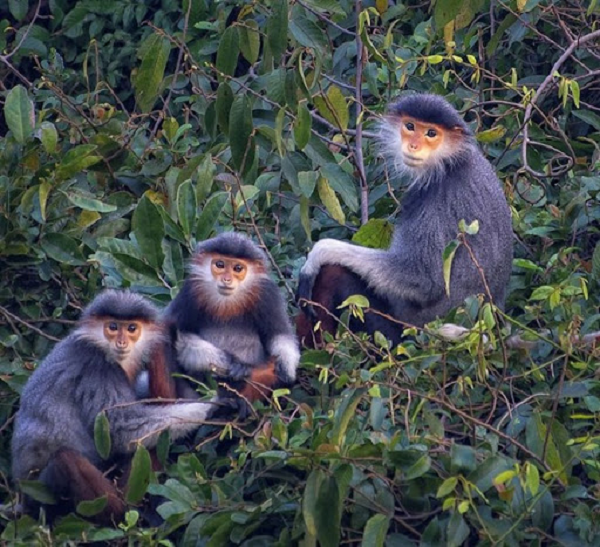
(72, 477)
(333, 285)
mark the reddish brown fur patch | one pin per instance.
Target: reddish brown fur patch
(86, 482)
(162, 385)
(260, 383)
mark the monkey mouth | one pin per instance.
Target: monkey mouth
(413, 161)
(225, 290)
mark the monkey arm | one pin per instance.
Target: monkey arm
(195, 354)
(143, 423)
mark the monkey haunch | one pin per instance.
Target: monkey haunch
(91, 370)
(231, 321)
(450, 180)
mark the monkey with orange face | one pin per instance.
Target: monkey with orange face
(230, 320)
(449, 180)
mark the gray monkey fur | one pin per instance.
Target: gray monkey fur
(409, 275)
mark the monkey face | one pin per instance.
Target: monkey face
(122, 336)
(422, 143)
(228, 274)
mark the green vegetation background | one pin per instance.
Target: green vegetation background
(133, 129)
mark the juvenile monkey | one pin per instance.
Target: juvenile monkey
(230, 320)
(449, 179)
(91, 370)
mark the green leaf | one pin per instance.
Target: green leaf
(333, 107)
(330, 200)
(304, 216)
(75, 160)
(43, 194)
(18, 8)
(102, 438)
(302, 126)
(89, 508)
(228, 52)
(596, 262)
(88, 203)
(458, 531)
(38, 491)
(447, 487)
(249, 40)
(223, 106)
(376, 234)
(342, 184)
(491, 135)
(139, 478)
(210, 214)
(62, 248)
(306, 32)
(186, 207)
(49, 137)
(154, 53)
(307, 181)
(589, 117)
(277, 28)
(19, 113)
(532, 478)
(448, 257)
(344, 414)
(375, 531)
(542, 293)
(445, 11)
(240, 138)
(149, 230)
(419, 468)
(463, 459)
(206, 175)
(328, 513)
(309, 501)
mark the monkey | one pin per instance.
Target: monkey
(92, 370)
(230, 320)
(427, 141)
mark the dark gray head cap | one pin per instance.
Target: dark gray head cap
(429, 108)
(234, 245)
(121, 305)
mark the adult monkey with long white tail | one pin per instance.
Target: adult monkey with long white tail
(426, 140)
(230, 321)
(90, 371)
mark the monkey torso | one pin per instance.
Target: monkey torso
(60, 402)
(428, 222)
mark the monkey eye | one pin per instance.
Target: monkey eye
(431, 133)
(410, 126)
(132, 327)
(113, 326)
(238, 268)
(220, 264)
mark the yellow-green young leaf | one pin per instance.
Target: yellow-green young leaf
(448, 503)
(149, 229)
(382, 6)
(277, 28)
(542, 293)
(435, 59)
(228, 52)
(154, 53)
(91, 507)
(170, 127)
(43, 194)
(139, 478)
(304, 216)
(240, 139)
(102, 435)
(376, 234)
(448, 257)
(491, 135)
(333, 107)
(375, 529)
(447, 487)
(488, 316)
(470, 229)
(521, 5)
(302, 126)
(463, 507)
(49, 137)
(249, 40)
(88, 203)
(344, 413)
(575, 92)
(357, 300)
(532, 478)
(19, 113)
(505, 476)
(472, 60)
(330, 200)
(87, 218)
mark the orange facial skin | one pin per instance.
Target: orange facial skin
(124, 339)
(421, 141)
(228, 273)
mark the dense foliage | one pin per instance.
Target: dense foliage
(133, 129)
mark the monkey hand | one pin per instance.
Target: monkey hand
(238, 370)
(195, 354)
